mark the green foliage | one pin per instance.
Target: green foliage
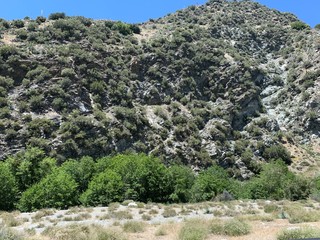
(81, 171)
(56, 16)
(7, 50)
(18, 23)
(209, 184)
(30, 166)
(124, 28)
(57, 190)
(104, 188)
(275, 152)
(182, 179)
(8, 188)
(40, 19)
(41, 128)
(299, 25)
(276, 182)
(37, 103)
(145, 178)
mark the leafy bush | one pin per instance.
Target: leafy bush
(18, 23)
(40, 19)
(276, 182)
(81, 171)
(104, 188)
(276, 152)
(8, 188)
(182, 179)
(209, 184)
(37, 103)
(145, 178)
(299, 25)
(30, 166)
(125, 28)
(57, 15)
(57, 190)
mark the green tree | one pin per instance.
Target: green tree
(57, 190)
(182, 179)
(30, 166)
(104, 188)
(145, 177)
(8, 188)
(277, 182)
(210, 183)
(81, 171)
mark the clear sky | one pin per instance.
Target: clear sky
(135, 11)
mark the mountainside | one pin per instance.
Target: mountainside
(229, 82)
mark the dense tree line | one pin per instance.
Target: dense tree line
(31, 180)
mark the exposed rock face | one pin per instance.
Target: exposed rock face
(218, 83)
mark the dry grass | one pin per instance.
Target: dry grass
(161, 231)
(300, 233)
(8, 234)
(11, 219)
(77, 232)
(43, 213)
(298, 214)
(169, 212)
(134, 227)
(195, 229)
(113, 207)
(204, 227)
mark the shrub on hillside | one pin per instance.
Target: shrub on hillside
(40, 19)
(298, 25)
(57, 15)
(275, 152)
(18, 23)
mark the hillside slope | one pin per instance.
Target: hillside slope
(228, 82)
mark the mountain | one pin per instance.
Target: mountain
(227, 82)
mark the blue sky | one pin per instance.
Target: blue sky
(135, 11)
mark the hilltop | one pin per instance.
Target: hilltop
(233, 83)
